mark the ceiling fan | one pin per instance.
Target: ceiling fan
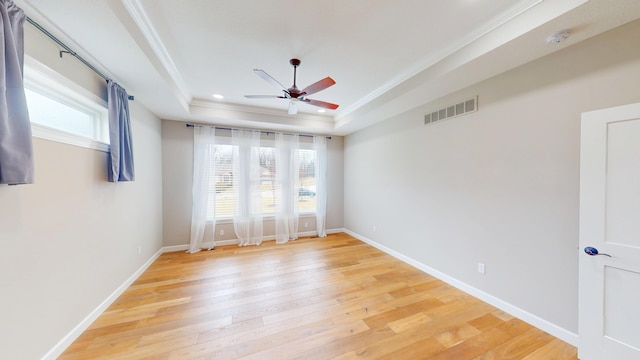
(293, 94)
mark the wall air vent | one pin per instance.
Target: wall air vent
(450, 111)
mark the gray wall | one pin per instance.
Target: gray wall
(177, 162)
(70, 240)
(499, 186)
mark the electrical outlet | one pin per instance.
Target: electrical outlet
(139, 250)
(221, 232)
(374, 228)
(481, 268)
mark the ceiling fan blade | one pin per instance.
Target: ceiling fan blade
(264, 97)
(322, 104)
(268, 78)
(318, 86)
(293, 107)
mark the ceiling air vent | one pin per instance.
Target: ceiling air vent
(450, 111)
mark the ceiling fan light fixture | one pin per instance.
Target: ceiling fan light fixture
(293, 107)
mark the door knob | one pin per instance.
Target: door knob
(593, 251)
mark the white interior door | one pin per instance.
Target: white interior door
(609, 282)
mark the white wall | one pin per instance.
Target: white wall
(69, 240)
(499, 186)
(177, 162)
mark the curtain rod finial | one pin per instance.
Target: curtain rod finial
(131, 97)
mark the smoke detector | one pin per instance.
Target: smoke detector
(558, 37)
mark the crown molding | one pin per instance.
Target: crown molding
(153, 39)
(257, 110)
(249, 116)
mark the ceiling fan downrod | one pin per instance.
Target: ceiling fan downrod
(294, 63)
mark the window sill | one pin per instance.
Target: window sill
(48, 133)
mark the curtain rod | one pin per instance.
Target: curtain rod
(262, 131)
(67, 50)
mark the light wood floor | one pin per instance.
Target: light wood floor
(333, 298)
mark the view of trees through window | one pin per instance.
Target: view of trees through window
(223, 173)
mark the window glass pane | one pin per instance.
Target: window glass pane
(307, 185)
(267, 158)
(46, 111)
(223, 183)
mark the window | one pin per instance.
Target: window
(222, 176)
(63, 111)
(46, 111)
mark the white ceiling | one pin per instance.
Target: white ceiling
(385, 56)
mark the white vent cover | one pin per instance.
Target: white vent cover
(450, 111)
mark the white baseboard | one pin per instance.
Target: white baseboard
(227, 242)
(542, 324)
(175, 248)
(185, 247)
(64, 343)
(307, 233)
(336, 231)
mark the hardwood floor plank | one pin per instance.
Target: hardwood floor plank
(408, 322)
(456, 335)
(485, 322)
(339, 347)
(423, 349)
(301, 341)
(485, 341)
(310, 299)
(555, 350)
(421, 332)
(520, 346)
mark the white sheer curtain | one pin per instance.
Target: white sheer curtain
(202, 192)
(320, 146)
(287, 180)
(247, 220)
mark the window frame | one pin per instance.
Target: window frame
(267, 143)
(50, 84)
